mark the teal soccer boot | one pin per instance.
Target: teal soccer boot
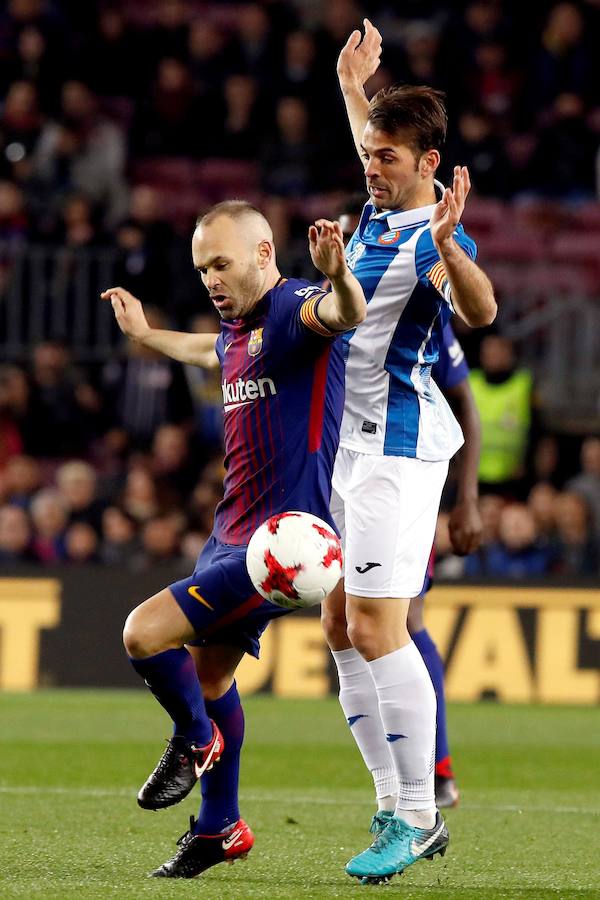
(380, 821)
(397, 847)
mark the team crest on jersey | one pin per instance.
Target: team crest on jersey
(355, 254)
(389, 237)
(255, 342)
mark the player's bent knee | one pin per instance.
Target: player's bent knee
(141, 638)
(335, 628)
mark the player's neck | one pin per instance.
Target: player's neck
(423, 195)
(271, 281)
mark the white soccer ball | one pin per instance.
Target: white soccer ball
(294, 559)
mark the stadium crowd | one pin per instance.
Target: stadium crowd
(108, 110)
(128, 469)
(90, 91)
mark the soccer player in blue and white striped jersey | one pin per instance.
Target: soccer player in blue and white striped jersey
(416, 266)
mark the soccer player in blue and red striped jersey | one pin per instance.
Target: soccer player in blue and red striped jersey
(283, 395)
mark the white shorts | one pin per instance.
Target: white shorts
(386, 509)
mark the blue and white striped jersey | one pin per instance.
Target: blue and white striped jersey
(393, 407)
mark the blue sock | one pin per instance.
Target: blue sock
(219, 807)
(172, 678)
(435, 667)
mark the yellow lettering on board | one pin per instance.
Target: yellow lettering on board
(440, 621)
(26, 606)
(490, 655)
(302, 659)
(253, 674)
(558, 679)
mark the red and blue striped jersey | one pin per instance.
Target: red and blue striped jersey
(283, 396)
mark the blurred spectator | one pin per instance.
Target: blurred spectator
(563, 62)
(563, 162)
(160, 541)
(167, 37)
(255, 49)
(209, 59)
(81, 543)
(20, 130)
(476, 146)
(239, 137)
(205, 390)
(587, 483)
(542, 502)
(546, 460)
(503, 394)
(518, 554)
(49, 516)
(575, 550)
(119, 537)
(15, 535)
(17, 411)
(22, 478)
(78, 227)
(114, 41)
(77, 485)
(167, 122)
(174, 463)
(83, 152)
(289, 158)
(302, 74)
(141, 498)
(147, 389)
(14, 223)
(64, 406)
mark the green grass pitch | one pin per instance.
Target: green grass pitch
(71, 763)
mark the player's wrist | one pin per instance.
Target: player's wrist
(351, 86)
(445, 245)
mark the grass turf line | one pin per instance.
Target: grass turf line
(71, 763)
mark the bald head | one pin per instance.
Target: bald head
(233, 251)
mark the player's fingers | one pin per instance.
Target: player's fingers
(466, 180)
(338, 230)
(352, 42)
(313, 234)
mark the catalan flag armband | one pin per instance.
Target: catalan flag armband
(309, 315)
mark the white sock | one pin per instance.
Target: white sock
(358, 699)
(407, 707)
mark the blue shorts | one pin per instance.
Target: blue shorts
(220, 600)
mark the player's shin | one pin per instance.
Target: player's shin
(172, 678)
(219, 810)
(359, 702)
(407, 709)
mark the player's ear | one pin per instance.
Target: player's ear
(428, 163)
(265, 254)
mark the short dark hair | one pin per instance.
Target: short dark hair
(234, 209)
(419, 112)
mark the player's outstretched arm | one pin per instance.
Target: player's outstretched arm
(345, 306)
(465, 523)
(472, 292)
(194, 349)
(358, 60)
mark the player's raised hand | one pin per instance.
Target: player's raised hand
(128, 311)
(359, 57)
(326, 244)
(448, 212)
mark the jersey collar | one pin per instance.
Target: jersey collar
(407, 217)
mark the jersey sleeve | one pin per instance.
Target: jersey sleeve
(430, 269)
(451, 368)
(298, 312)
